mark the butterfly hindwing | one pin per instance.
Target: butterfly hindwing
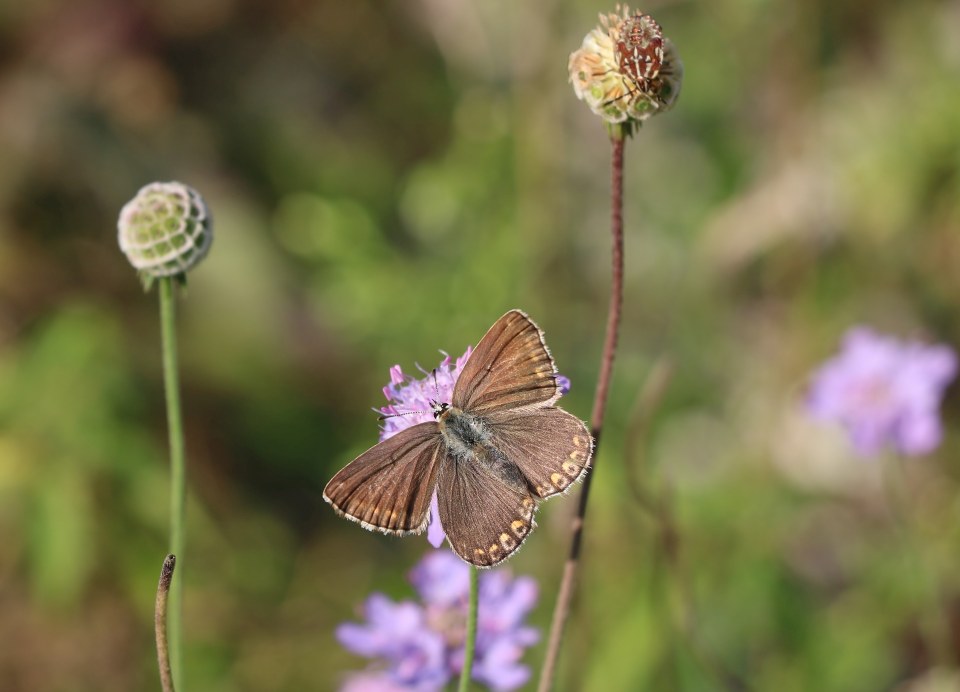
(510, 368)
(551, 447)
(388, 487)
(485, 511)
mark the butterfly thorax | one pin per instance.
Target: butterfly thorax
(464, 434)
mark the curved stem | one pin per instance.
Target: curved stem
(562, 608)
(471, 632)
(178, 485)
(160, 623)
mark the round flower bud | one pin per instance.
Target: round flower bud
(626, 70)
(165, 230)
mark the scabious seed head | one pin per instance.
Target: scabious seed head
(165, 230)
(626, 70)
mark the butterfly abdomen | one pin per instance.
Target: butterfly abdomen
(469, 440)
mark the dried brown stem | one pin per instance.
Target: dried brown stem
(160, 623)
(564, 595)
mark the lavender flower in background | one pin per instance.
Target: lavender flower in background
(443, 581)
(420, 646)
(398, 633)
(884, 391)
(409, 404)
(372, 681)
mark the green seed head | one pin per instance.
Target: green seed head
(165, 230)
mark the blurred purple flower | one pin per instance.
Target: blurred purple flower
(441, 579)
(397, 632)
(501, 634)
(884, 391)
(409, 404)
(421, 647)
(372, 681)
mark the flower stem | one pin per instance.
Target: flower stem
(160, 623)
(178, 486)
(562, 608)
(471, 632)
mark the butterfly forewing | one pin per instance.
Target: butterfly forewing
(509, 368)
(388, 487)
(485, 517)
(551, 447)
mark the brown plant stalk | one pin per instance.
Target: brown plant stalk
(561, 610)
(160, 623)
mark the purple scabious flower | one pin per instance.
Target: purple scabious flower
(372, 681)
(884, 391)
(410, 397)
(501, 634)
(398, 634)
(420, 646)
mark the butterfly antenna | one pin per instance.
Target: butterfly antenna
(436, 385)
(385, 416)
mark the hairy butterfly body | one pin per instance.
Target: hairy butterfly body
(493, 452)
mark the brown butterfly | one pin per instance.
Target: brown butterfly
(493, 452)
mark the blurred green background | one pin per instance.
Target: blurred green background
(386, 179)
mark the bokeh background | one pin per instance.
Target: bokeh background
(387, 178)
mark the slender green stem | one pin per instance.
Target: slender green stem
(471, 632)
(178, 476)
(160, 623)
